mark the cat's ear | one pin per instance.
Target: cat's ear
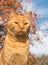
(11, 14)
(29, 14)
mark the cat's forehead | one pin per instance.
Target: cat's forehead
(19, 18)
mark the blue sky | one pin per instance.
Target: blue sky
(42, 6)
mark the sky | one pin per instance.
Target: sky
(40, 6)
(41, 47)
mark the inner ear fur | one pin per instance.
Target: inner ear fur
(28, 14)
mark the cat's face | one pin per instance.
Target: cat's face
(19, 25)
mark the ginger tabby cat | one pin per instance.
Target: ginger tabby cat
(16, 48)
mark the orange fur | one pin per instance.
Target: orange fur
(16, 49)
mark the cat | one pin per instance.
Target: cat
(16, 48)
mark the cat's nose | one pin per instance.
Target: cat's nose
(21, 27)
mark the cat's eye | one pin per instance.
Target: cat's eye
(16, 22)
(25, 23)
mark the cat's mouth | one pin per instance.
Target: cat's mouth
(18, 32)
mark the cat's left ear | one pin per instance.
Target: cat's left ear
(28, 14)
(12, 14)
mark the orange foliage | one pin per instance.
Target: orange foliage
(18, 5)
(0, 18)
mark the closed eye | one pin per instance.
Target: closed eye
(25, 23)
(16, 22)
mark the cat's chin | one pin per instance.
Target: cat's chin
(20, 33)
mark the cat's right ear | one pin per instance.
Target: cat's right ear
(28, 14)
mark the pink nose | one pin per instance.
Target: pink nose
(21, 27)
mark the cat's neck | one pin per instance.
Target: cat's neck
(16, 38)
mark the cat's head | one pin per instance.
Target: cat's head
(19, 24)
